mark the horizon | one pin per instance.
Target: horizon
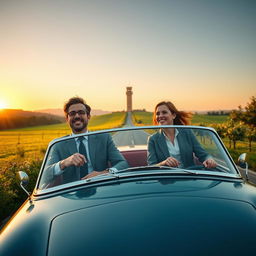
(103, 110)
(198, 54)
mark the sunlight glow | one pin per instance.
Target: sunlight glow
(3, 104)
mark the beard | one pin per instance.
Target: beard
(78, 128)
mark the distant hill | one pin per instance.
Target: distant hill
(59, 112)
(52, 111)
(17, 118)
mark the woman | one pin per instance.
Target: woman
(172, 146)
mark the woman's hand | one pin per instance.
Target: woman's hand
(170, 161)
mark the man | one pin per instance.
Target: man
(85, 156)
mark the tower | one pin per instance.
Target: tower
(129, 98)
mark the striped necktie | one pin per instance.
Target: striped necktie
(82, 150)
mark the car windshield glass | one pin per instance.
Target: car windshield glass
(78, 158)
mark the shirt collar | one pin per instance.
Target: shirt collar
(73, 134)
(175, 136)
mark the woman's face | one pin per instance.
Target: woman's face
(164, 116)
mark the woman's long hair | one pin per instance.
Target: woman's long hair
(182, 117)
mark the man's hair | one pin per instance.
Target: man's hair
(76, 100)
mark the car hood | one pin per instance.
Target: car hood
(141, 216)
(153, 225)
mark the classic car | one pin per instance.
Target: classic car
(145, 209)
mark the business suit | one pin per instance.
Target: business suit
(102, 151)
(188, 145)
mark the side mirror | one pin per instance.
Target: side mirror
(243, 164)
(24, 179)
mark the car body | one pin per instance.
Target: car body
(141, 210)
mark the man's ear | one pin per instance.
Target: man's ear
(89, 116)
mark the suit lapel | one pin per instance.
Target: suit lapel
(182, 144)
(162, 144)
(71, 146)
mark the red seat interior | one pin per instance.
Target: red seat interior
(135, 157)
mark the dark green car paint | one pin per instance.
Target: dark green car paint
(138, 216)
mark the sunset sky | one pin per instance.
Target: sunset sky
(200, 54)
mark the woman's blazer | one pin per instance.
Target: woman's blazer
(188, 145)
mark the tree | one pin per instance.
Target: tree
(235, 132)
(221, 129)
(251, 135)
(248, 117)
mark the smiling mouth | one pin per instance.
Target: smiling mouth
(77, 121)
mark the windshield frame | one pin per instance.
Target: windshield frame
(129, 172)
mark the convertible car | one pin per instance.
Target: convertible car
(142, 209)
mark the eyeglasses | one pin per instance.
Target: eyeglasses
(79, 112)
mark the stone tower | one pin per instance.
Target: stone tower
(129, 98)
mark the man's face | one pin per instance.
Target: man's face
(78, 118)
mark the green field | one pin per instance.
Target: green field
(142, 118)
(207, 120)
(31, 143)
(145, 118)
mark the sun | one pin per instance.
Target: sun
(3, 104)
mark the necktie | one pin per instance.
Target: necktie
(82, 150)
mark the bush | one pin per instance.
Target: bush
(11, 194)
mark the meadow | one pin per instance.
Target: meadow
(145, 118)
(31, 142)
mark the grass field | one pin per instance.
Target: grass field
(142, 118)
(145, 118)
(31, 143)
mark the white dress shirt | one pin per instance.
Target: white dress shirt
(173, 148)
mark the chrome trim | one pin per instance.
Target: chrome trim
(133, 174)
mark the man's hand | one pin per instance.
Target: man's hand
(93, 174)
(76, 159)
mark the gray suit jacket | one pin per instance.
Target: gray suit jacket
(188, 144)
(103, 154)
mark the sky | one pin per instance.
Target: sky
(199, 54)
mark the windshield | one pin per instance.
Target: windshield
(174, 148)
